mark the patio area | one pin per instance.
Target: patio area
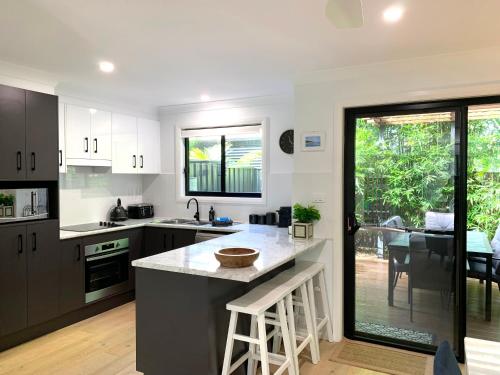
(432, 320)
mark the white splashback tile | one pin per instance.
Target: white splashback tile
(87, 194)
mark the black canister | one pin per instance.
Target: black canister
(253, 219)
(262, 219)
(271, 218)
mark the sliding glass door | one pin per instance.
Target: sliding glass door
(401, 241)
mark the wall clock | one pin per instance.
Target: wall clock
(286, 141)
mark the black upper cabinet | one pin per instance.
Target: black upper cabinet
(72, 268)
(13, 287)
(41, 137)
(12, 133)
(29, 135)
(42, 252)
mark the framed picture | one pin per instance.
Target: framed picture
(313, 141)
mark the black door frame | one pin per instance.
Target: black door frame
(460, 107)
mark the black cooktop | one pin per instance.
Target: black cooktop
(92, 226)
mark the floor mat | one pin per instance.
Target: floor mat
(375, 358)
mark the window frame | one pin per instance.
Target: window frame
(223, 193)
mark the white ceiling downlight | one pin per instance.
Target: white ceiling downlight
(106, 66)
(393, 14)
(204, 97)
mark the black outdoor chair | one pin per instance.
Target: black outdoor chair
(431, 271)
(477, 265)
(392, 227)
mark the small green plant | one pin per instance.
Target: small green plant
(8, 200)
(305, 214)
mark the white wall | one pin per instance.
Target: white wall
(161, 189)
(320, 99)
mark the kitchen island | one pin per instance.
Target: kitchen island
(181, 298)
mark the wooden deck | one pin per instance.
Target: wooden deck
(430, 314)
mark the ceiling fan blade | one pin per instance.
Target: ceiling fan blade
(345, 14)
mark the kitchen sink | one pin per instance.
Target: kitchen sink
(186, 222)
(176, 221)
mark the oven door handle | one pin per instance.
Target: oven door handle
(104, 256)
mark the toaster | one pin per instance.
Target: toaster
(140, 211)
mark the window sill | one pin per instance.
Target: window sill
(224, 200)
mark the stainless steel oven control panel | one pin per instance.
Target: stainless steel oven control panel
(106, 247)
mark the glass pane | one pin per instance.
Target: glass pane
(205, 164)
(244, 163)
(404, 175)
(483, 223)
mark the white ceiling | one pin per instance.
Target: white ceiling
(169, 52)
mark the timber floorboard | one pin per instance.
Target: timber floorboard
(105, 345)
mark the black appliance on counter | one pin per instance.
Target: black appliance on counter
(106, 269)
(118, 213)
(140, 211)
(285, 217)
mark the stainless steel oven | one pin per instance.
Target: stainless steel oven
(106, 269)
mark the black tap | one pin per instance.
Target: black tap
(197, 214)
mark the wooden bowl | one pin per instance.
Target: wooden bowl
(236, 257)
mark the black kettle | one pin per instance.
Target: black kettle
(118, 213)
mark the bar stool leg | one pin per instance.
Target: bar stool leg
(252, 363)
(264, 359)
(229, 343)
(291, 329)
(312, 302)
(309, 323)
(289, 353)
(326, 305)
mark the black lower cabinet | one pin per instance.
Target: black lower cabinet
(72, 285)
(13, 285)
(136, 244)
(159, 240)
(42, 255)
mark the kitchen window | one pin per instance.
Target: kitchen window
(224, 161)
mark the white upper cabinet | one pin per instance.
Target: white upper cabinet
(136, 145)
(88, 136)
(148, 146)
(124, 144)
(62, 142)
(100, 131)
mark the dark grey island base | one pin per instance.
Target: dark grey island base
(182, 321)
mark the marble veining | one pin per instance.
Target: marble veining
(275, 245)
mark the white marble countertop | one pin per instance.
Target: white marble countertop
(275, 245)
(482, 356)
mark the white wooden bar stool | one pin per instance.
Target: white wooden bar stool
(308, 272)
(297, 283)
(256, 303)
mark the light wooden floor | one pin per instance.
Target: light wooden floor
(105, 345)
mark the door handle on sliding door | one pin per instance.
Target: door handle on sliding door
(352, 224)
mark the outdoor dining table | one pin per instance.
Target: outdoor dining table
(477, 246)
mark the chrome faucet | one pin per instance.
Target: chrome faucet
(197, 214)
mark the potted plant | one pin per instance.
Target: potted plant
(7, 205)
(305, 216)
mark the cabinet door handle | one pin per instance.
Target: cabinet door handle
(19, 160)
(142, 161)
(85, 144)
(33, 161)
(19, 243)
(34, 241)
(95, 145)
(134, 163)
(78, 252)
(60, 158)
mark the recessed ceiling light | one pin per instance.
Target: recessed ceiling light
(393, 14)
(204, 97)
(93, 111)
(106, 66)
